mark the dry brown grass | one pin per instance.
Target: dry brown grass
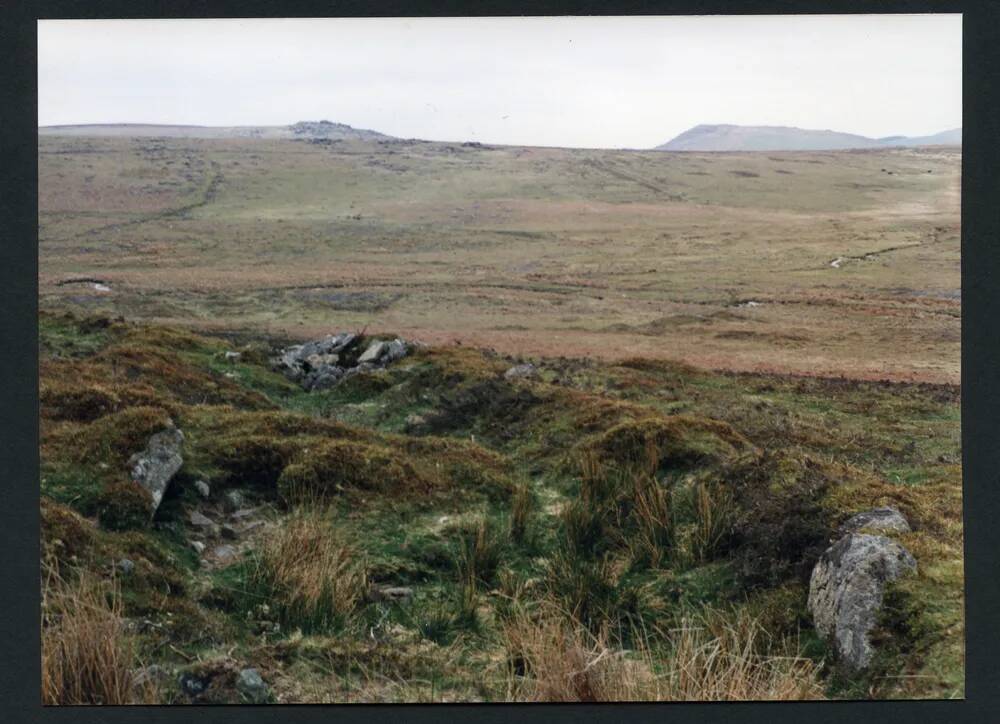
(88, 657)
(312, 575)
(710, 658)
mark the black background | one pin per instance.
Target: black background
(19, 533)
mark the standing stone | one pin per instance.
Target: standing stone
(155, 467)
(846, 590)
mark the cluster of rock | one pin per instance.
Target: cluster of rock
(849, 581)
(324, 363)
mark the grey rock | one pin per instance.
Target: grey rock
(200, 520)
(323, 378)
(374, 352)
(155, 467)
(394, 351)
(233, 356)
(233, 500)
(203, 488)
(243, 513)
(198, 546)
(225, 553)
(125, 566)
(192, 685)
(846, 590)
(395, 594)
(521, 371)
(251, 685)
(153, 674)
(315, 361)
(878, 520)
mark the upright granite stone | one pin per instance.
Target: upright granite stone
(155, 467)
(846, 590)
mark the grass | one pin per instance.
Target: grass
(287, 218)
(625, 502)
(88, 656)
(711, 657)
(308, 573)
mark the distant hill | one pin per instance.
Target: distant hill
(786, 138)
(302, 129)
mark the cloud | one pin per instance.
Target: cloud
(576, 81)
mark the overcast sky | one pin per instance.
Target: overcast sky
(586, 82)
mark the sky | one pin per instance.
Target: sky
(589, 82)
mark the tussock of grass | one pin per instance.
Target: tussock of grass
(87, 655)
(710, 657)
(678, 441)
(308, 572)
(338, 467)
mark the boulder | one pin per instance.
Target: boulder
(521, 371)
(250, 684)
(323, 378)
(152, 675)
(200, 520)
(225, 553)
(203, 488)
(125, 566)
(395, 594)
(233, 500)
(233, 356)
(374, 352)
(878, 520)
(316, 361)
(846, 590)
(395, 351)
(155, 467)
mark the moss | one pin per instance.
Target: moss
(781, 523)
(339, 466)
(66, 400)
(124, 506)
(114, 438)
(66, 535)
(665, 443)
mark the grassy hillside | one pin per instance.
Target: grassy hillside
(629, 529)
(850, 258)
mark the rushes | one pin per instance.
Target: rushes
(710, 657)
(480, 554)
(520, 512)
(713, 506)
(653, 518)
(311, 575)
(87, 654)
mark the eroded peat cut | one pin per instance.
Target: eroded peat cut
(448, 523)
